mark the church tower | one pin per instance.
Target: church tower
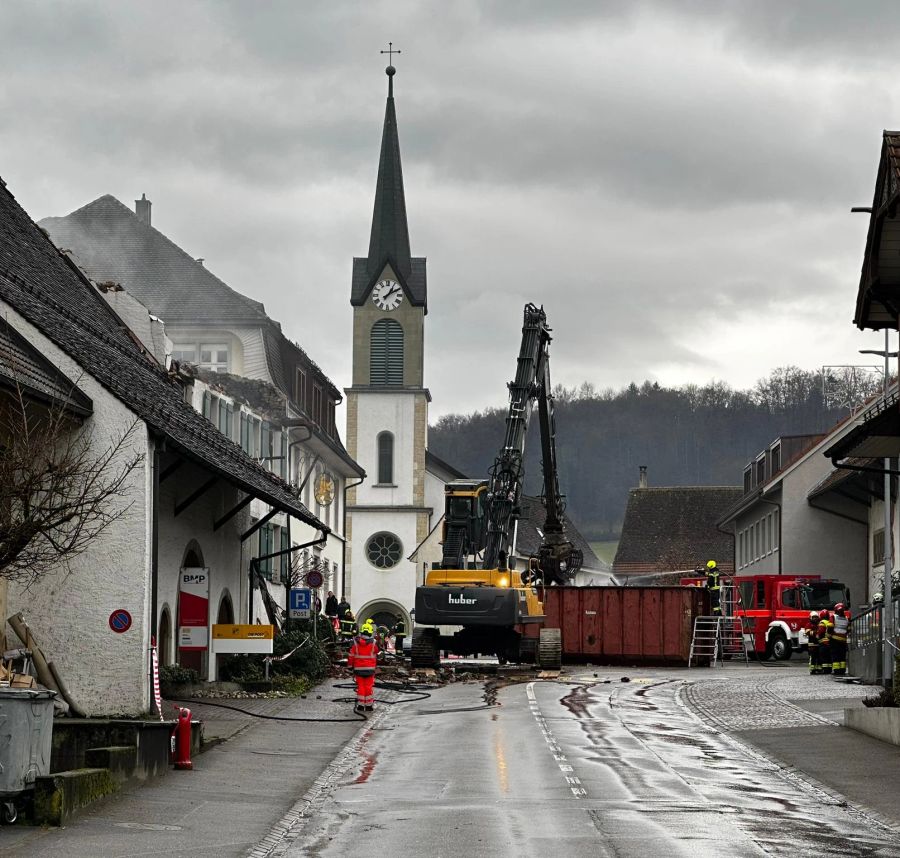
(387, 404)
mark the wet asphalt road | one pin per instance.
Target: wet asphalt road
(587, 767)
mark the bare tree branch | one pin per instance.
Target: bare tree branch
(58, 493)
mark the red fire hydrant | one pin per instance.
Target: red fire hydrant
(181, 739)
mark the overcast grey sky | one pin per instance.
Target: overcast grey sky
(671, 180)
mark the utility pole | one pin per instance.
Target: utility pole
(888, 620)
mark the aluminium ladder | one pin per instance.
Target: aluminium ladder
(721, 636)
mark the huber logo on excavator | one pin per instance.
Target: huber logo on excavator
(479, 537)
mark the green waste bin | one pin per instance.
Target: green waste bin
(26, 736)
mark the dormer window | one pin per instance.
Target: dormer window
(211, 356)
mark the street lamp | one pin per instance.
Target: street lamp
(887, 623)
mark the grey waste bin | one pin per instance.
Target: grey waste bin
(26, 734)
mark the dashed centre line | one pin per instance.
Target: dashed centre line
(572, 780)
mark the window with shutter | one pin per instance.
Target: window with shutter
(386, 353)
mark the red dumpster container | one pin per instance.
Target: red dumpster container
(635, 625)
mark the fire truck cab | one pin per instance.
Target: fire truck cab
(775, 609)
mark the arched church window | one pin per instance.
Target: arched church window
(386, 353)
(385, 458)
(384, 550)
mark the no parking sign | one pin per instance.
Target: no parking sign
(120, 621)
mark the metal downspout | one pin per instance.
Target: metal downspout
(347, 487)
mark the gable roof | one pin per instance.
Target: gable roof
(50, 291)
(674, 528)
(111, 243)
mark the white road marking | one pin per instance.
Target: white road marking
(572, 780)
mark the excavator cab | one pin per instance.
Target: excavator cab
(463, 531)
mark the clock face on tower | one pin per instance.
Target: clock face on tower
(387, 294)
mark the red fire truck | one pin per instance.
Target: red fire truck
(776, 609)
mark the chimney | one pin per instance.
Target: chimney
(642, 479)
(142, 209)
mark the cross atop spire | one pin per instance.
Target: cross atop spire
(390, 71)
(390, 52)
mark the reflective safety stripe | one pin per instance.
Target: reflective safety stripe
(363, 657)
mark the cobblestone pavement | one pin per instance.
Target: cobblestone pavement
(754, 700)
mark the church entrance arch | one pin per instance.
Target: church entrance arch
(385, 612)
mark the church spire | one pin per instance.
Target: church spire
(390, 231)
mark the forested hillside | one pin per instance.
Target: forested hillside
(686, 436)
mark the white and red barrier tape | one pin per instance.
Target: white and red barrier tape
(154, 669)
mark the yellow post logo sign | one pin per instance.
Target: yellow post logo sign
(236, 638)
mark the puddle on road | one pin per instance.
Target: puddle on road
(662, 757)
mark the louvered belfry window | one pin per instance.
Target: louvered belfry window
(386, 354)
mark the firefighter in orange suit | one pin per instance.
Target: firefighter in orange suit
(362, 658)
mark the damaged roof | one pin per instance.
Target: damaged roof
(674, 528)
(111, 244)
(50, 291)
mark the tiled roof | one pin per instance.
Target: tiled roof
(111, 243)
(667, 529)
(23, 366)
(530, 525)
(50, 291)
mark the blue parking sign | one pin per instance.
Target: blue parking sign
(300, 603)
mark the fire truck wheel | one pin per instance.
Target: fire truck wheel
(779, 647)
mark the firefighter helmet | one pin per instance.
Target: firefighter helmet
(814, 615)
(878, 599)
(710, 564)
(368, 628)
(839, 606)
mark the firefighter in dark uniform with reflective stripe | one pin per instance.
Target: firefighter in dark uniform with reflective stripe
(399, 636)
(712, 586)
(840, 630)
(348, 627)
(812, 644)
(825, 627)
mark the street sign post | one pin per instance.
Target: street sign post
(300, 603)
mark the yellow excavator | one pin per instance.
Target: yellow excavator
(475, 585)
